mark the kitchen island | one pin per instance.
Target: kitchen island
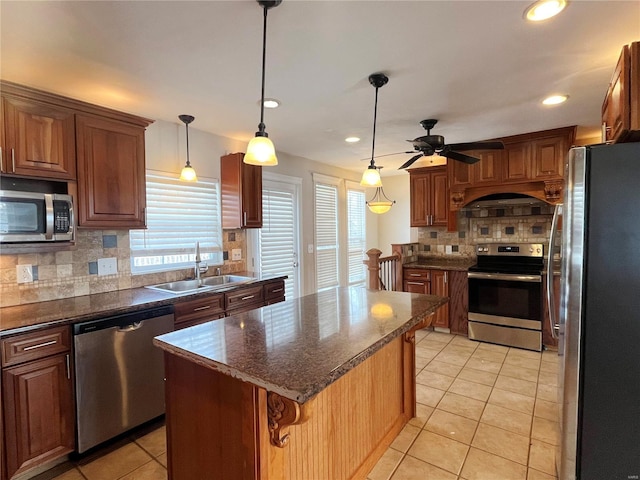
(310, 388)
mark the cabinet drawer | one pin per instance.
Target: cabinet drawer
(35, 345)
(416, 274)
(207, 307)
(245, 296)
(197, 321)
(274, 290)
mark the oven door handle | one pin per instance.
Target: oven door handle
(506, 276)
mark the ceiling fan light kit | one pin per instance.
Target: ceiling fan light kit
(261, 150)
(188, 174)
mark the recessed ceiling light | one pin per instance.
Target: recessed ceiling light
(543, 9)
(352, 139)
(271, 103)
(555, 99)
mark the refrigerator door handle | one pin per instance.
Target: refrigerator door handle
(551, 300)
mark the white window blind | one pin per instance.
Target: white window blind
(356, 232)
(179, 214)
(278, 235)
(326, 220)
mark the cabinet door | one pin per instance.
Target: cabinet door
(547, 161)
(517, 161)
(488, 171)
(420, 200)
(460, 173)
(39, 139)
(615, 109)
(416, 286)
(111, 173)
(440, 198)
(440, 287)
(458, 302)
(38, 413)
(199, 310)
(241, 187)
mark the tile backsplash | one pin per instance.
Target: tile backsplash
(530, 224)
(74, 272)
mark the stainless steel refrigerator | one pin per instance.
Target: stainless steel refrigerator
(599, 321)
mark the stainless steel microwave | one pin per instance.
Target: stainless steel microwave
(27, 217)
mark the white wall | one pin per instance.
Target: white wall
(393, 227)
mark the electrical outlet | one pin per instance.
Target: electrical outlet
(107, 266)
(24, 273)
(310, 248)
(236, 254)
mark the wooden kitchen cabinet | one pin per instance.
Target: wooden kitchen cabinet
(488, 171)
(621, 106)
(111, 173)
(516, 163)
(38, 139)
(440, 287)
(241, 186)
(37, 399)
(274, 292)
(458, 302)
(193, 312)
(244, 299)
(416, 280)
(429, 192)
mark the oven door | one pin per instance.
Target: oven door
(506, 309)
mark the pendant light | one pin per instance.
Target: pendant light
(260, 150)
(380, 203)
(188, 174)
(371, 176)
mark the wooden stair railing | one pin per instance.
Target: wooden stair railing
(384, 273)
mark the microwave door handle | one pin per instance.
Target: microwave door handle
(550, 293)
(48, 214)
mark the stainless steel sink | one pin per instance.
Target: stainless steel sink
(204, 284)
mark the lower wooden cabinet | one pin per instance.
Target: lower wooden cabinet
(416, 280)
(458, 302)
(440, 287)
(193, 312)
(37, 400)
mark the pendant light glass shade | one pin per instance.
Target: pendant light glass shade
(260, 150)
(188, 174)
(380, 203)
(371, 177)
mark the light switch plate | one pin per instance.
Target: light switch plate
(24, 273)
(310, 248)
(448, 250)
(107, 266)
(236, 254)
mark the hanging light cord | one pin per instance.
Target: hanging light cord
(261, 126)
(373, 141)
(188, 163)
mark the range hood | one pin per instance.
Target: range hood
(504, 200)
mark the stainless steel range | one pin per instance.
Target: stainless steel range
(506, 296)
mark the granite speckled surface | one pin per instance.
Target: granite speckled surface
(298, 347)
(32, 316)
(439, 263)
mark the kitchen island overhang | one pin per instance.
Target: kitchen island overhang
(329, 376)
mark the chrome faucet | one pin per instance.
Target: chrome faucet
(198, 269)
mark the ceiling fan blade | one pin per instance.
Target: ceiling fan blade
(409, 162)
(476, 146)
(461, 157)
(419, 143)
(388, 155)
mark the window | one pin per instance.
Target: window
(356, 234)
(179, 214)
(326, 222)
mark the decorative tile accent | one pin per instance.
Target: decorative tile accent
(225, 255)
(433, 234)
(455, 248)
(535, 210)
(232, 236)
(500, 212)
(509, 230)
(34, 272)
(93, 268)
(536, 230)
(109, 241)
(484, 231)
(462, 234)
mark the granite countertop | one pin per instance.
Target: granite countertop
(298, 347)
(440, 263)
(32, 316)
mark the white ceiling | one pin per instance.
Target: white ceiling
(477, 66)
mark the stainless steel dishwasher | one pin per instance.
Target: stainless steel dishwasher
(119, 373)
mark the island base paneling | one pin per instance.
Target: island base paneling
(217, 426)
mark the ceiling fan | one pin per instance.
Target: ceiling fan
(429, 145)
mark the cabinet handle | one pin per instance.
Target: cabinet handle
(277, 290)
(415, 275)
(247, 297)
(40, 345)
(13, 160)
(446, 280)
(68, 367)
(244, 216)
(1, 164)
(415, 283)
(206, 307)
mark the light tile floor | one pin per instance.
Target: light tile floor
(484, 412)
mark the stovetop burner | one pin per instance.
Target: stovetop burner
(517, 258)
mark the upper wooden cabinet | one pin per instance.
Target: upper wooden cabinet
(38, 139)
(241, 186)
(516, 163)
(111, 173)
(621, 106)
(429, 191)
(488, 170)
